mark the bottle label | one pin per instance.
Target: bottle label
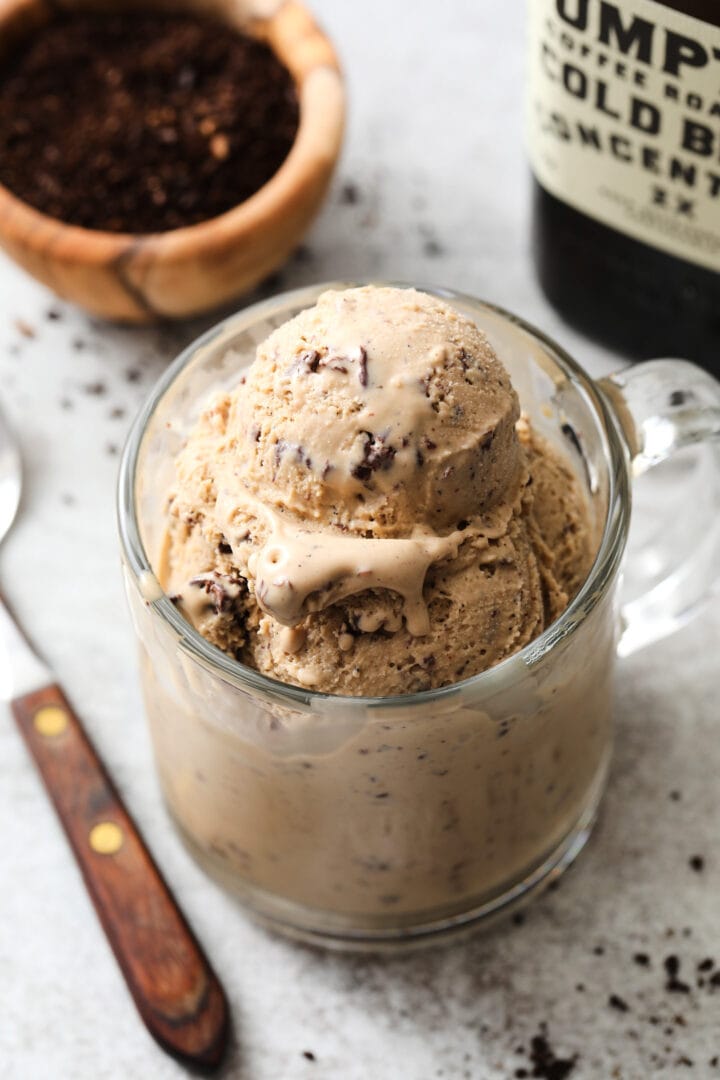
(624, 119)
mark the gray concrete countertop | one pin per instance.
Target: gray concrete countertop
(433, 187)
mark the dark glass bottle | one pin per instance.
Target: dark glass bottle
(643, 294)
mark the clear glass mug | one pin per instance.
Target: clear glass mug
(367, 822)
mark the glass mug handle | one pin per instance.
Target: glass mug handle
(661, 407)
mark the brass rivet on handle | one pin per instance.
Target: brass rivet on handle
(106, 838)
(50, 720)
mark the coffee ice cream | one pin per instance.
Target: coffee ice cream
(366, 512)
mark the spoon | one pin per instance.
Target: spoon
(176, 991)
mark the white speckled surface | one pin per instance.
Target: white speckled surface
(434, 147)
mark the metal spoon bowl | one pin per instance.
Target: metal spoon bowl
(10, 477)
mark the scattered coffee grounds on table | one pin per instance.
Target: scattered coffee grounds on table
(544, 1060)
(142, 123)
(674, 984)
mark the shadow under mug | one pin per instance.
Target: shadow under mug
(369, 822)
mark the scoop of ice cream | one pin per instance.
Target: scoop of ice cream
(365, 513)
(380, 410)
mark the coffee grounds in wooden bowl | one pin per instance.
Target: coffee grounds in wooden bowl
(142, 123)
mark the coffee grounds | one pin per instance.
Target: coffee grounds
(674, 984)
(546, 1064)
(142, 123)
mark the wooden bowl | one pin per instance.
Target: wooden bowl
(140, 278)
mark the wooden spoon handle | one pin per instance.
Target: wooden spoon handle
(174, 987)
